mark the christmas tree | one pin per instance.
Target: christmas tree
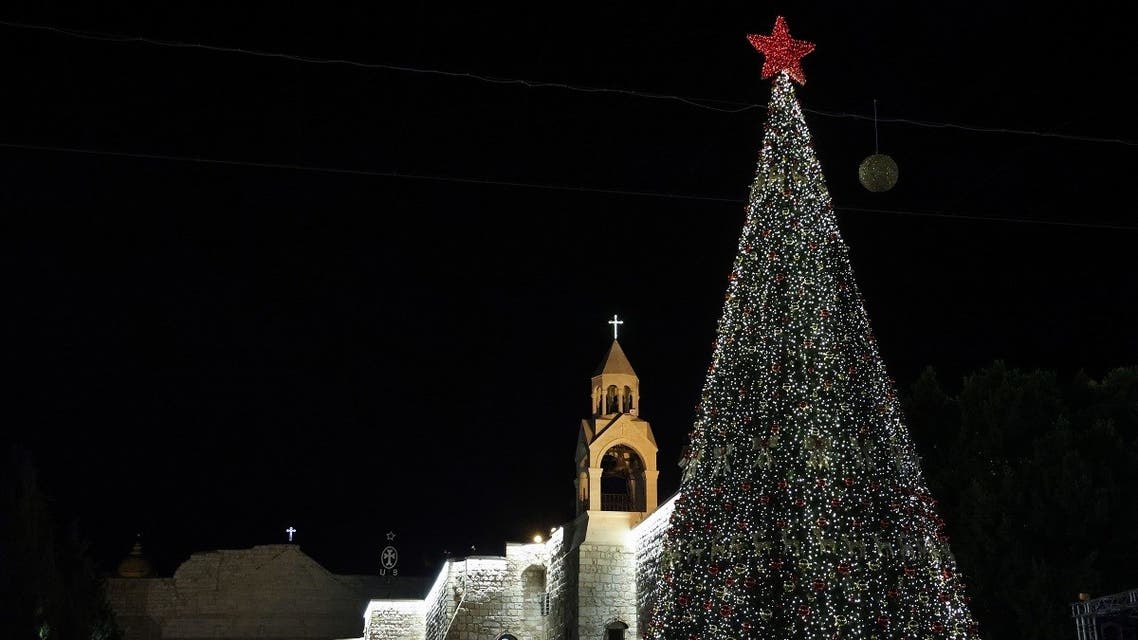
(802, 510)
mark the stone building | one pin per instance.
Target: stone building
(592, 579)
(270, 591)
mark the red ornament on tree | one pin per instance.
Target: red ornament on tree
(781, 52)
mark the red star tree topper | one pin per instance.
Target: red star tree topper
(781, 52)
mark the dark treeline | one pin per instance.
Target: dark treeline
(1037, 477)
(49, 589)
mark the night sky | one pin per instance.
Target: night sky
(207, 353)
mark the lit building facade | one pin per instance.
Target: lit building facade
(592, 579)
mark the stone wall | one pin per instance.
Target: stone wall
(480, 586)
(561, 581)
(607, 588)
(140, 605)
(394, 620)
(434, 612)
(527, 579)
(648, 537)
(439, 605)
(589, 585)
(473, 599)
(270, 592)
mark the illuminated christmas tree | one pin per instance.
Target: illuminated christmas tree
(802, 511)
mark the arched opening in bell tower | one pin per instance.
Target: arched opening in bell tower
(612, 400)
(622, 480)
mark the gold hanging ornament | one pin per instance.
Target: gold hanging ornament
(877, 172)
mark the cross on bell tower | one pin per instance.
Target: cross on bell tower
(615, 322)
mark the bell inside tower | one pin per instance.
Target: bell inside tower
(622, 480)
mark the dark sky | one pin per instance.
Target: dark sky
(208, 353)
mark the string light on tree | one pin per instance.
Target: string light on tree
(802, 512)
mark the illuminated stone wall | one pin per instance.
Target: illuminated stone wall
(561, 583)
(440, 604)
(527, 567)
(472, 598)
(394, 620)
(607, 588)
(268, 592)
(479, 584)
(648, 539)
(597, 569)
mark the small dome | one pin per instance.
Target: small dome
(135, 565)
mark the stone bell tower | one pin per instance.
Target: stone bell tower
(616, 451)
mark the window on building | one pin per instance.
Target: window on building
(615, 630)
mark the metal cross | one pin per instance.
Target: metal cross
(615, 325)
(290, 531)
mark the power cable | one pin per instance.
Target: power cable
(731, 106)
(525, 185)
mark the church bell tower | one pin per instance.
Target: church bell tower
(616, 451)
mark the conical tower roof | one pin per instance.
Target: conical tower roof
(615, 362)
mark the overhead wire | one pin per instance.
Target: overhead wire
(730, 106)
(702, 103)
(526, 185)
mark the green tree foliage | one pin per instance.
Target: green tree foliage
(1038, 479)
(48, 585)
